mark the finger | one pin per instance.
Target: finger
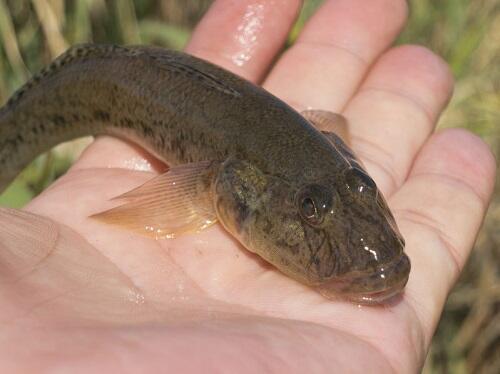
(334, 51)
(395, 110)
(439, 211)
(242, 36)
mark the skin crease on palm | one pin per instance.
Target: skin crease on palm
(80, 295)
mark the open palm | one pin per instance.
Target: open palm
(82, 295)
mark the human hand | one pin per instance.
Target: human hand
(78, 294)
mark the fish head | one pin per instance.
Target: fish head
(334, 234)
(369, 265)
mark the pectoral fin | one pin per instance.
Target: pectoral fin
(176, 202)
(331, 124)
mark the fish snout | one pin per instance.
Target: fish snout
(370, 287)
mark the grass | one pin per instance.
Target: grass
(465, 33)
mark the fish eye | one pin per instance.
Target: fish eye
(309, 208)
(358, 181)
(314, 201)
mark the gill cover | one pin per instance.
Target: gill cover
(263, 212)
(238, 191)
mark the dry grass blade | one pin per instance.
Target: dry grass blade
(97, 6)
(485, 355)
(58, 7)
(482, 307)
(3, 88)
(127, 20)
(156, 32)
(51, 27)
(10, 45)
(183, 13)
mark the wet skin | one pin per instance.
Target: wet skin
(296, 197)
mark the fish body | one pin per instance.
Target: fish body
(293, 195)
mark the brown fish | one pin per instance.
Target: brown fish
(294, 195)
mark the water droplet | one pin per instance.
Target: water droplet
(247, 34)
(138, 163)
(137, 298)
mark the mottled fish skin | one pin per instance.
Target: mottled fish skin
(273, 163)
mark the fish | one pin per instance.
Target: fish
(288, 190)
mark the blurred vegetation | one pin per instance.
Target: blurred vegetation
(466, 33)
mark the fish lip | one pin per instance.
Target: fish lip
(377, 297)
(352, 286)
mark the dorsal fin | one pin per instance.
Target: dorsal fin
(173, 63)
(335, 127)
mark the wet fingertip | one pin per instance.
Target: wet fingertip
(244, 36)
(420, 70)
(354, 25)
(460, 154)
(432, 64)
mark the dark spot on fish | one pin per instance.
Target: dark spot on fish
(58, 120)
(126, 122)
(242, 211)
(101, 115)
(294, 248)
(148, 131)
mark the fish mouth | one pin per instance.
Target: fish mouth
(377, 297)
(377, 286)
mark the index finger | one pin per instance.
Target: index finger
(244, 36)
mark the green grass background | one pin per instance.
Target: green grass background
(466, 33)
